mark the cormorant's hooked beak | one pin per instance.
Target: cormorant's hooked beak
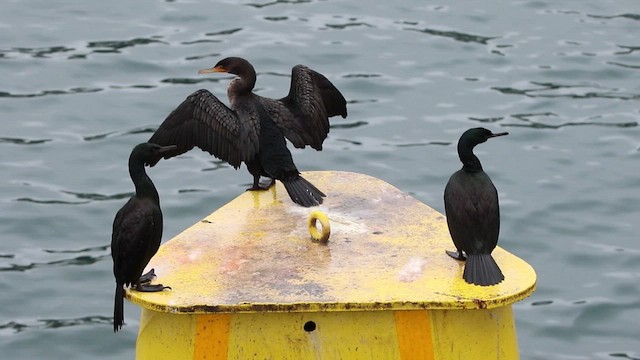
(161, 151)
(165, 149)
(499, 134)
(215, 69)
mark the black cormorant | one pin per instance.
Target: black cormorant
(253, 129)
(137, 230)
(473, 213)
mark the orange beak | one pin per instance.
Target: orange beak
(215, 69)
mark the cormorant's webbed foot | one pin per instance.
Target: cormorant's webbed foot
(458, 255)
(261, 185)
(266, 182)
(146, 278)
(151, 288)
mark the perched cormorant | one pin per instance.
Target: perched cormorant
(253, 129)
(137, 230)
(473, 213)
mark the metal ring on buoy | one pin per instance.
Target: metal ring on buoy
(324, 222)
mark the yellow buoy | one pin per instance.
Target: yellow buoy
(248, 284)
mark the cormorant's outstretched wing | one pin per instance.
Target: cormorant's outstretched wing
(303, 115)
(204, 121)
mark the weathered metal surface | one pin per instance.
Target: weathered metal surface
(386, 252)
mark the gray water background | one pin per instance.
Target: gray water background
(82, 82)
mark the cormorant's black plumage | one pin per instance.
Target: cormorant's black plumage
(137, 230)
(473, 213)
(253, 128)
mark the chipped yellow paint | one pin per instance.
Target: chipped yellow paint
(248, 282)
(387, 251)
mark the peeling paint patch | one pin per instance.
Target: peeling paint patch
(413, 270)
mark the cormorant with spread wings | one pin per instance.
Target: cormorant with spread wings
(253, 129)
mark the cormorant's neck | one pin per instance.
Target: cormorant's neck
(244, 83)
(144, 186)
(470, 162)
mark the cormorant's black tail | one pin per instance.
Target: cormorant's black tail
(303, 192)
(481, 269)
(118, 308)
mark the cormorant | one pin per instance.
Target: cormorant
(253, 129)
(137, 230)
(473, 213)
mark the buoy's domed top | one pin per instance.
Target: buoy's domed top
(255, 255)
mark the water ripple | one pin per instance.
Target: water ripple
(276, 18)
(630, 16)
(352, 142)
(35, 52)
(224, 32)
(348, 25)
(628, 66)
(19, 141)
(428, 143)
(78, 90)
(200, 41)
(349, 76)
(217, 164)
(348, 125)
(199, 57)
(487, 119)
(189, 81)
(89, 249)
(624, 356)
(99, 197)
(562, 93)
(76, 261)
(51, 202)
(94, 47)
(114, 46)
(135, 131)
(278, 2)
(455, 35)
(628, 49)
(184, 191)
(56, 323)
(528, 122)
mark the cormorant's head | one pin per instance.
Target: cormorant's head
(475, 136)
(149, 153)
(232, 65)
